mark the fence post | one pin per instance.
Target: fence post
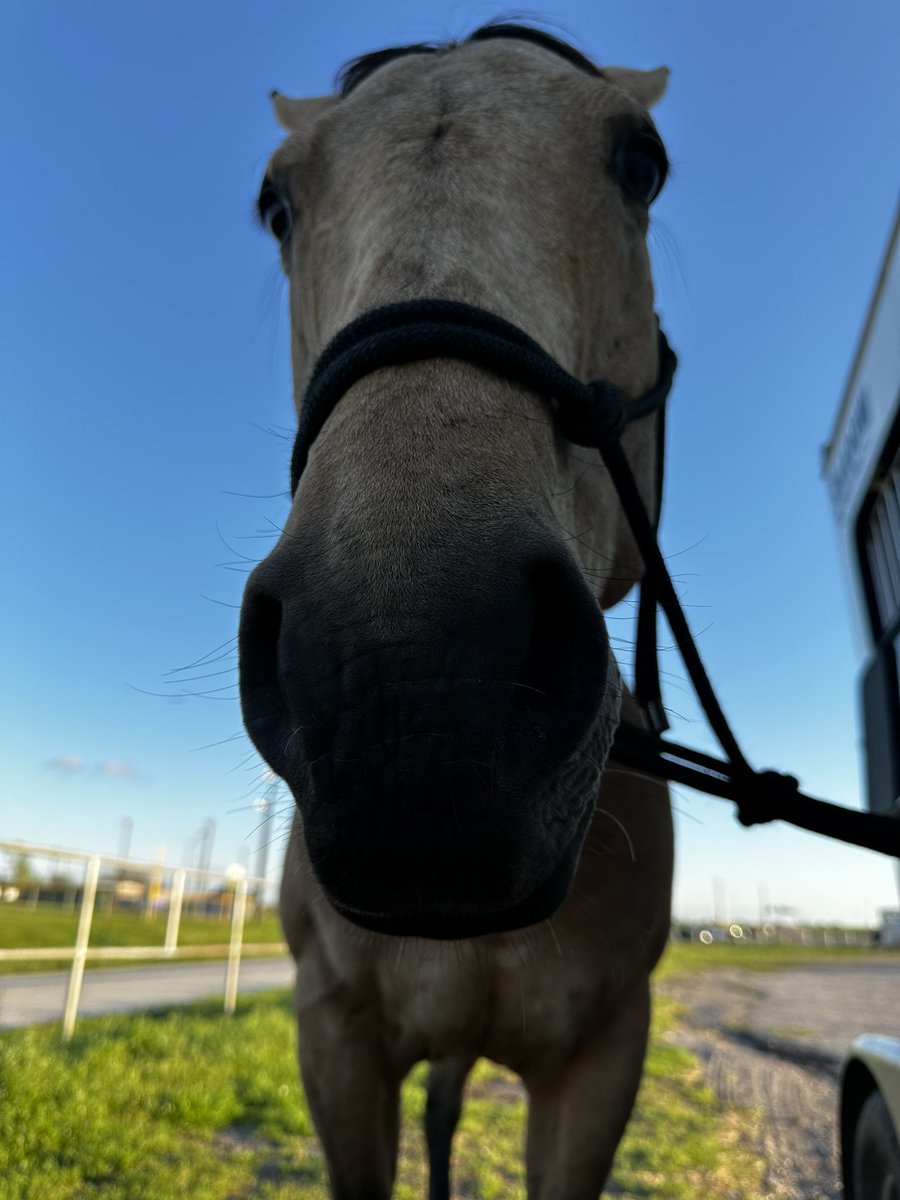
(234, 948)
(91, 876)
(176, 897)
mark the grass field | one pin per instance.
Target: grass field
(52, 927)
(683, 957)
(188, 1103)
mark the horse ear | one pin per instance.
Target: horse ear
(297, 115)
(647, 87)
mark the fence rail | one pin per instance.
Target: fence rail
(171, 899)
(207, 950)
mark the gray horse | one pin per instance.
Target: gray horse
(424, 657)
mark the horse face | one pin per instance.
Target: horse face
(423, 655)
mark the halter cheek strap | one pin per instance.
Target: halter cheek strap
(593, 415)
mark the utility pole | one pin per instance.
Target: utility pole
(125, 837)
(266, 809)
(719, 905)
(764, 904)
(201, 846)
(205, 837)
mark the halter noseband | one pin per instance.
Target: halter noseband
(593, 415)
(588, 414)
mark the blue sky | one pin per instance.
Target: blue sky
(146, 392)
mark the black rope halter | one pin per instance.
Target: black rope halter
(593, 415)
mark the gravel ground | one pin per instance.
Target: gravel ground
(773, 1042)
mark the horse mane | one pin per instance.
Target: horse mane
(358, 69)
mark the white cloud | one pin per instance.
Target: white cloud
(120, 770)
(66, 764)
(74, 764)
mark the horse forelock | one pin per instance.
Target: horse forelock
(353, 73)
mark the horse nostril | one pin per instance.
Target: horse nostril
(543, 665)
(563, 675)
(263, 700)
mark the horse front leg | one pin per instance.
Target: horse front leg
(577, 1117)
(353, 1095)
(446, 1081)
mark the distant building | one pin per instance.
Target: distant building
(889, 934)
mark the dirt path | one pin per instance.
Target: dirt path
(774, 1043)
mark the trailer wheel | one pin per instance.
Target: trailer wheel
(876, 1153)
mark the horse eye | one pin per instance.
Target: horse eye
(274, 213)
(642, 168)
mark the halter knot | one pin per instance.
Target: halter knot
(762, 796)
(594, 415)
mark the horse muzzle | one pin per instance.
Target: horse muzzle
(436, 752)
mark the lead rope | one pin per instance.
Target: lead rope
(647, 686)
(760, 796)
(593, 415)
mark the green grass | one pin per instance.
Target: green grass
(189, 1103)
(683, 958)
(682, 1143)
(53, 927)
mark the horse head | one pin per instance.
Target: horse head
(424, 657)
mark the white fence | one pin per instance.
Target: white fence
(164, 891)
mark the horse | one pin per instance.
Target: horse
(424, 657)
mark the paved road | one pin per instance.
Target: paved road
(39, 998)
(774, 1043)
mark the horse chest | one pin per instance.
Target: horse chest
(500, 1005)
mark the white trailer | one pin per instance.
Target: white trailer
(861, 465)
